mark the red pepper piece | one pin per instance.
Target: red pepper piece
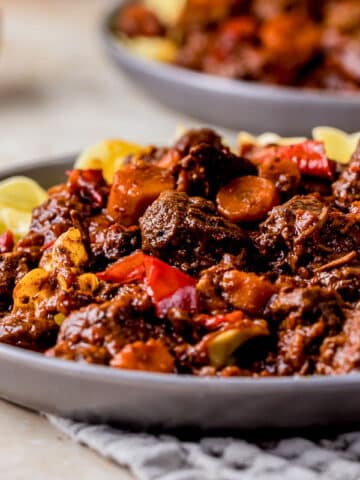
(310, 156)
(6, 242)
(89, 184)
(128, 269)
(219, 321)
(169, 287)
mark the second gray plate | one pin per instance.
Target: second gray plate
(235, 104)
(167, 402)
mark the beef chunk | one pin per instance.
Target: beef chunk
(83, 196)
(306, 316)
(341, 353)
(192, 138)
(188, 232)
(199, 163)
(206, 168)
(305, 232)
(347, 189)
(96, 333)
(110, 240)
(55, 216)
(345, 280)
(13, 266)
(24, 330)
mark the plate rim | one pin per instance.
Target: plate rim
(213, 83)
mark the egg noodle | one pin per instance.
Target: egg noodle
(20, 195)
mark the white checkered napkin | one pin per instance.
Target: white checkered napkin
(166, 458)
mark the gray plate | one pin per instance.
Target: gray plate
(233, 103)
(143, 400)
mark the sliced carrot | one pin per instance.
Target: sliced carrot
(247, 199)
(135, 187)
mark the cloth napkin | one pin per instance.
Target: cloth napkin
(163, 457)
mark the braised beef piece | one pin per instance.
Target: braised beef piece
(345, 280)
(13, 266)
(96, 333)
(68, 205)
(303, 317)
(24, 330)
(110, 240)
(206, 168)
(188, 232)
(341, 353)
(192, 138)
(54, 217)
(347, 188)
(305, 232)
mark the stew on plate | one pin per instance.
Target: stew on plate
(195, 260)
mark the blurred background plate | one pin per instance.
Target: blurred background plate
(234, 104)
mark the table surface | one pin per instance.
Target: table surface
(58, 94)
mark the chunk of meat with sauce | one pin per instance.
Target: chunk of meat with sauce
(97, 333)
(13, 266)
(25, 330)
(305, 232)
(344, 279)
(110, 240)
(341, 353)
(206, 168)
(347, 188)
(192, 138)
(81, 197)
(188, 233)
(306, 317)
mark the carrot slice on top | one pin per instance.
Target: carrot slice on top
(247, 199)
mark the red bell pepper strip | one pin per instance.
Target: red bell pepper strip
(219, 321)
(310, 157)
(168, 286)
(6, 242)
(128, 269)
